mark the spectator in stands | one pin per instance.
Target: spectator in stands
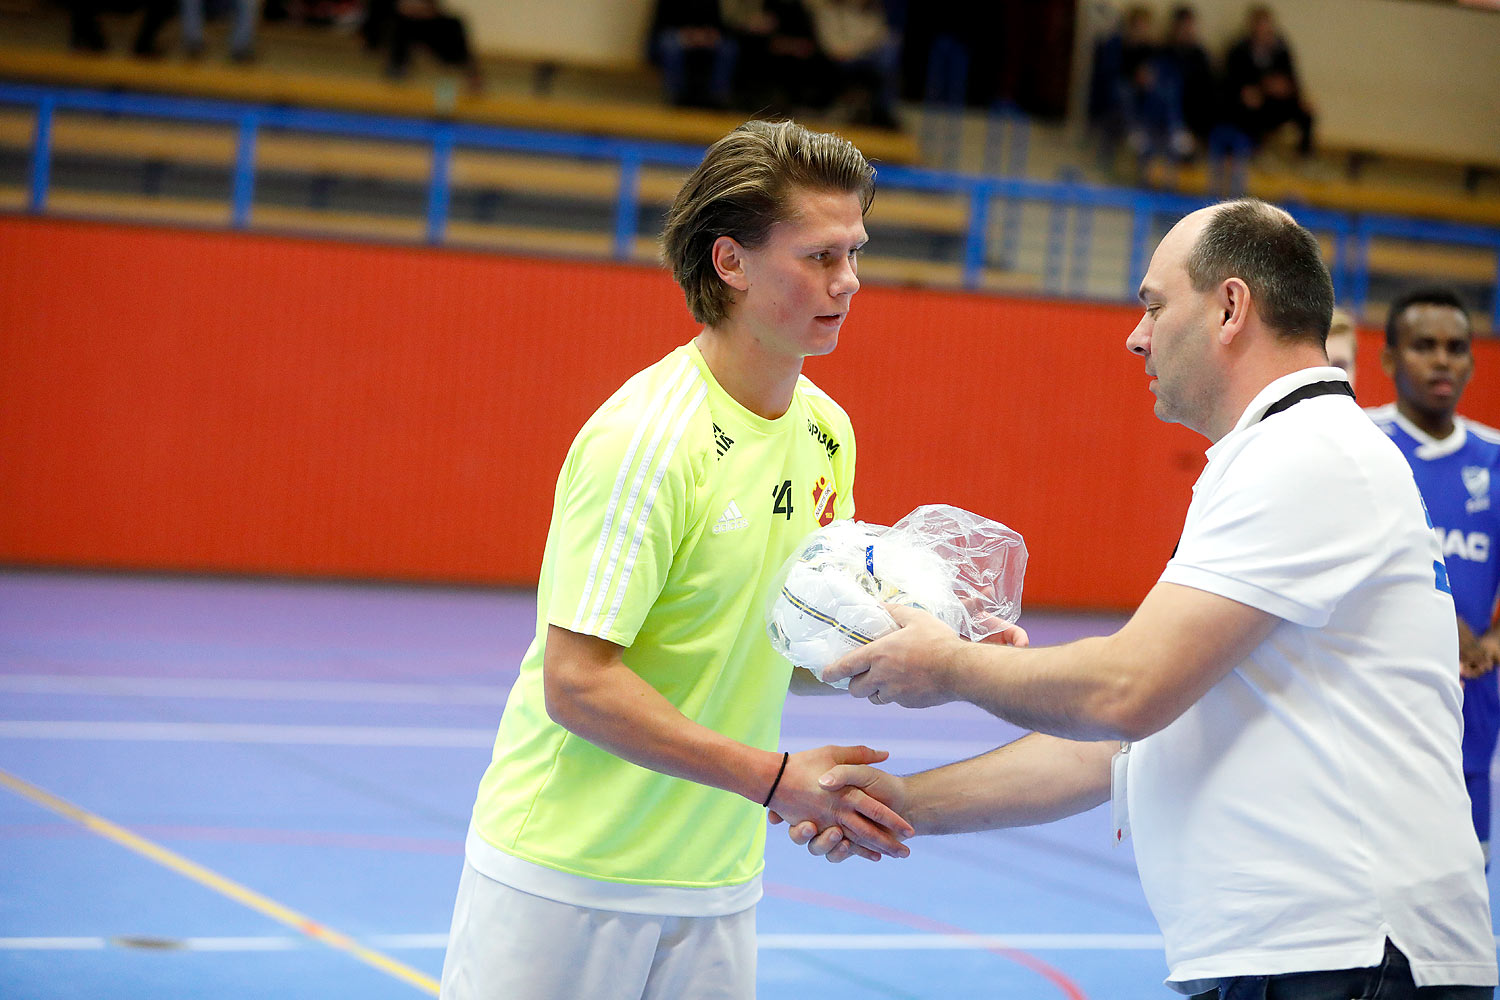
(1262, 91)
(424, 22)
(864, 54)
(1106, 111)
(1186, 70)
(780, 68)
(374, 26)
(696, 54)
(1104, 66)
(1141, 103)
(86, 35)
(1137, 55)
(241, 34)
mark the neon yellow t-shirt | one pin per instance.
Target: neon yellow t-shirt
(674, 510)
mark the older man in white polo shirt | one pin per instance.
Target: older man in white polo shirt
(1284, 696)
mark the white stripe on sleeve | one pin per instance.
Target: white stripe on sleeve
(653, 408)
(645, 514)
(652, 464)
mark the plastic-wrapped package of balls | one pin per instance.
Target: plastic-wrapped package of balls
(965, 569)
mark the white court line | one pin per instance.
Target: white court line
(241, 943)
(768, 942)
(772, 942)
(377, 692)
(385, 736)
(960, 942)
(52, 943)
(249, 689)
(259, 690)
(218, 732)
(408, 736)
(410, 940)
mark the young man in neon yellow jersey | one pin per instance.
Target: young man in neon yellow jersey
(617, 842)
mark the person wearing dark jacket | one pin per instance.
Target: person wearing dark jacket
(1263, 93)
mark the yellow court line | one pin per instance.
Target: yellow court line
(220, 884)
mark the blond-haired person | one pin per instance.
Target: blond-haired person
(1343, 344)
(617, 841)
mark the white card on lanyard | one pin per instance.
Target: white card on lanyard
(1118, 806)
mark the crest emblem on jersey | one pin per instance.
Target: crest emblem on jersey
(1477, 482)
(823, 497)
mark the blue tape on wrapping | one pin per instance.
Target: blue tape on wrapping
(870, 559)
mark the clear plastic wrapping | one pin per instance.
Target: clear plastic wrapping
(830, 594)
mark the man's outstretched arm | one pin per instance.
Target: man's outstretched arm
(1178, 644)
(591, 691)
(1036, 779)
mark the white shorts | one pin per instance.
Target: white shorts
(506, 944)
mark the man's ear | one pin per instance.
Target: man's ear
(729, 262)
(1388, 362)
(1234, 302)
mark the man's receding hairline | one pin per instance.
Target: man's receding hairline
(1213, 213)
(1253, 204)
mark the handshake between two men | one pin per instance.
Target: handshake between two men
(885, 613)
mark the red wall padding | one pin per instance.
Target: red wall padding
(211, 401)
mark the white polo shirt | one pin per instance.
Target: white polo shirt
(1312, 804)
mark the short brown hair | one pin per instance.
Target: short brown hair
(1280, 262)
(741, 189)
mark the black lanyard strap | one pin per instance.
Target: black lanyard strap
(1291, 399)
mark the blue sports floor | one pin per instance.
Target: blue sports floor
(248, 789)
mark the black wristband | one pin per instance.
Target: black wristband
(785, 755)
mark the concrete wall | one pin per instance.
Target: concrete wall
(592, 32)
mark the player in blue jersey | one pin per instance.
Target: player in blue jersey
(1457, 466)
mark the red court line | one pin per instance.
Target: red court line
(813, 897)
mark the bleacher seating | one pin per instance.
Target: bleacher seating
(920, 233)
(374, 95)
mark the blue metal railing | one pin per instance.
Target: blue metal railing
(1072, 204)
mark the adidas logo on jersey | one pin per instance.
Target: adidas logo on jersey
(731, 519)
